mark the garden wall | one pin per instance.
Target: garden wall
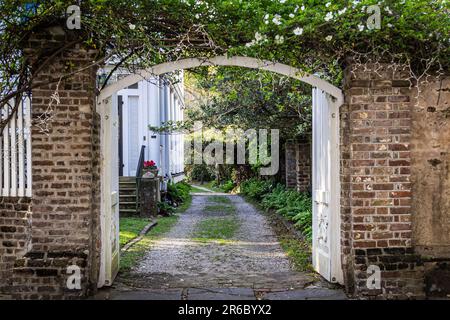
(63, 226)
(389, 189)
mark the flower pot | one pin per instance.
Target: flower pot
(149, 173)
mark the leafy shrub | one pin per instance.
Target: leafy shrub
(165, 209)
(293, 205)
(201, 172)
(178, 192)
(228, 186)
(256, 188)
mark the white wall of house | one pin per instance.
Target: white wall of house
(152, 102)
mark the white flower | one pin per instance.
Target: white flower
(291, 15)
(302, 8)
(296, 9)
(328, 38)
(389, 25)
(342, 11)
(279, 39)
(258, 36)
(361, 27)
(250, 44)
(277, 19)
(298, 31)
(131, 26)
(266, 16)
(329, 16)
(328, 4)
(197, 16)
(282, 1)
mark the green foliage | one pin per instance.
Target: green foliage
(228, 186)
(142, 33)
(165, 209)
(178, 192)
(256, 188)
(249, 99)
(293, 205)
(200, 172)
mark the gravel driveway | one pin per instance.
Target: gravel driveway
(252, 258)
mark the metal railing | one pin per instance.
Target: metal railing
(139, 168)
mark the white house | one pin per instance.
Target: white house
(147, 103)
(151, 102)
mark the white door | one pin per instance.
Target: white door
(326, 198)
(109, 207)
(134, 145)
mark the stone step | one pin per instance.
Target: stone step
(128, 212)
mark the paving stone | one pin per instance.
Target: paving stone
(172, 294)
(306, 294)
(221, 294)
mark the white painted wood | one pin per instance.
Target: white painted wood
(109, 216)
(325, 183)
(1, 156)
(27, 132)
(21, 151)
(134, 142)
(6, 156)
(13, 152)
(236, 61)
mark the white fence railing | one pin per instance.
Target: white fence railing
(15, 151)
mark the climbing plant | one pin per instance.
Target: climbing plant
(316, 36)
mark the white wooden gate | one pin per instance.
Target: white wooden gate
(325, 184)
(109, 218)
(15, 150)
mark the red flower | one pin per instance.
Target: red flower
(149, 164)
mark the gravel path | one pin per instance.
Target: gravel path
(253, 258)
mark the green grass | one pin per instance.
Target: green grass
(220, 208)
(219, 199)
(298, 252)
(217, 229)
(195, 189)
(130, 258)
(130, 228)
(211, 185)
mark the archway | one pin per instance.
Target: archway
(326, 187)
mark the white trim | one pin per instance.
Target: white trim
(237, 61)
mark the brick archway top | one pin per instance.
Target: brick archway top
(236, 61)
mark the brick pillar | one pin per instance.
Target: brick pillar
(65, 170)
(303, 157)
(375, 182)
(290, 167)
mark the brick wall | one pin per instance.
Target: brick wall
(65, 173)
(376, 189)
(290, 166)
(15, 223)
(303, 168)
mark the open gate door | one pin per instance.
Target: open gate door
(109, 218)
(325, 187)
